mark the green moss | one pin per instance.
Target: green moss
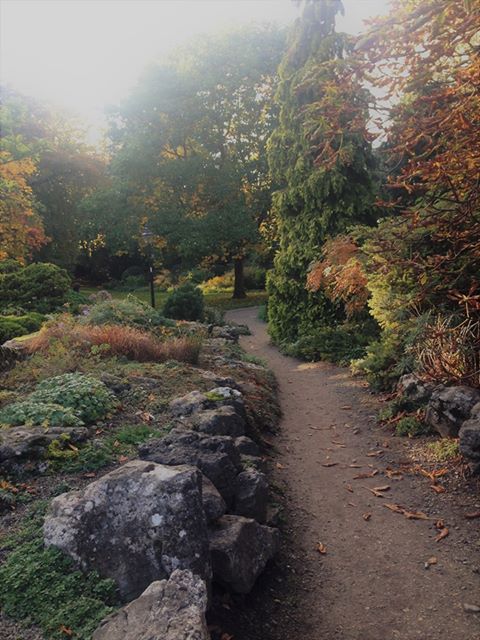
(411, 426)
(40, 586)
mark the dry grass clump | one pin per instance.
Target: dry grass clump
(116, 340)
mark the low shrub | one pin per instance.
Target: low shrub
(10, 329)
(89, 398)
(218, 283)
(130, 312)
(115, 340)
(340, 344)
(74, 301)
(39, 287)
(32, 412)
(14, 326)
(411, 426)
(41, 586)
(263, 313)
(255, 277)
(185, 303)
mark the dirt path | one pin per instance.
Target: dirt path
(372, 583)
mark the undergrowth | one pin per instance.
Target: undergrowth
(41, 586)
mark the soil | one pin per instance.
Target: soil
(383, 576)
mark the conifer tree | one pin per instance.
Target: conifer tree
(320, 157)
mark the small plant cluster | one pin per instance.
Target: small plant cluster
(41, 287)
(185, 303)
(68, 400)
(98, 454)
(130, 312)
(406, 415)
(41, 586)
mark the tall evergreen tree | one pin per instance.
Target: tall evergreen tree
(320, 157)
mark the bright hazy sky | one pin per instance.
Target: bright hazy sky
(85, 54)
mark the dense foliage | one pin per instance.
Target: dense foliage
(185, 303)
(320, 157)
(39, 287)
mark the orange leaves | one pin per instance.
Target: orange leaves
(442, 531)
(321, 548)
(341, 274)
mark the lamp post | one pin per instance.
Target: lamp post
(147, 236)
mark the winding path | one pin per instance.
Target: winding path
(374, 582)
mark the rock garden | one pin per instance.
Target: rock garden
(133, 481)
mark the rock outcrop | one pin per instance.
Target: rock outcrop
(469, 439)
(136, 524)
(449, 407)
(251, 495)
(172, 609)
(240, 549)
(215, 456)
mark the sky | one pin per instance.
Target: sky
(83, 55)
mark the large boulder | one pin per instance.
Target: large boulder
(240, 549)
(215, 456)
(223, 421)
(136, 524)
(449, 407)
(172, 609)
(188, 404)
(251, 495)
(469, 438)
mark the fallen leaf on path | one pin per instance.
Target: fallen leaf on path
(351, 504)
(433, 475)
(362, 476)
(378, 491)
(374, 454)
(395, 507)
(443, 534)
(410, 515)
(438, 488)
(355, 466)
(415, 515)
(279, 465)
(90, 474)
(329, 464)
(385, 487)
(349, 488)
(322, 548)
(472, 516)
(439, 524)
(367, 516)
(346, 406)
(432, 560)
(471, 608)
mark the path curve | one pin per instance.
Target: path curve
(372, 583)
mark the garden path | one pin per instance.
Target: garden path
(383, 576)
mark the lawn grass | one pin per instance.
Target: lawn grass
(221, 299)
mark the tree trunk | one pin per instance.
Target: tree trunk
(239, 280)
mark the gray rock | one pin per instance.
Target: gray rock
(251, 495)
(247, 447)
(469, 437)
(21, 444)
(172, 609)
(218, 381)
(415, 389)
(449, 407)
(136, 524)
(116, 384)
(223, 421)
(215, 456)
(253, 462)
(213, 503)
(188, 404)
(240, 549)
(230, 397)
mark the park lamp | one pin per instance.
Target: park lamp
(147, 237)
